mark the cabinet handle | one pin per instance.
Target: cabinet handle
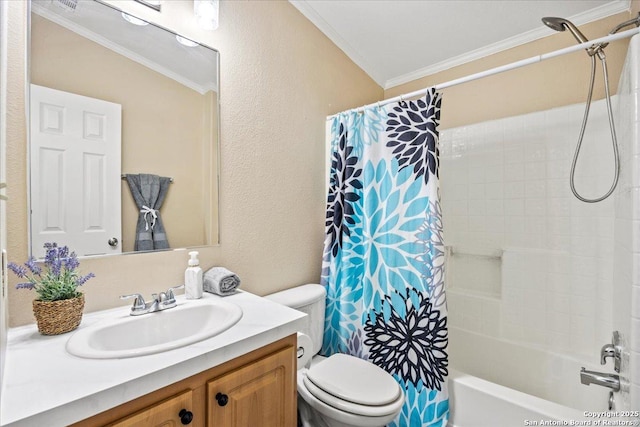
(185, 417)
(222, 399)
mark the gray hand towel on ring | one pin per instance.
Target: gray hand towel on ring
(220, 281)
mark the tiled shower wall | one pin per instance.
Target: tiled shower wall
(530, 266)
(626, 278)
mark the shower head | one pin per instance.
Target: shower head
(561, 24)
(554, 23)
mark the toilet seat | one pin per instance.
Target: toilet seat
(355, 386)
(331, 413)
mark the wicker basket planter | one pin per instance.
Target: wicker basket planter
(58, 317)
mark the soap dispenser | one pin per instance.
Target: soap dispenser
(193, 277)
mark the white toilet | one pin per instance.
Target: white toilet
(341, 390)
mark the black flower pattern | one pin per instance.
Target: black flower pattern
(413, 346)
(342, 185)
(412, 129)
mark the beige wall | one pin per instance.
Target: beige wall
(4, 306)
(280, 77)
(164, 128)
(560, 81)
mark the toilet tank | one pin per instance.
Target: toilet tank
(309, 299)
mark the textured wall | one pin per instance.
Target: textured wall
(280, 78)
(3, 235)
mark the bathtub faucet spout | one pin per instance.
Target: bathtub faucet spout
(611, 381)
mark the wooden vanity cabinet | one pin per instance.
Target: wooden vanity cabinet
(173, 412)
(257, 394)
(253, 390)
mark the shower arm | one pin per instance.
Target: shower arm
(635, 21)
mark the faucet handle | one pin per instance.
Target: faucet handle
(613, 350)
(139, 302)
(170, 295)
(607, 351)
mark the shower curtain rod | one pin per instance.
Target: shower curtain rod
(497, 70)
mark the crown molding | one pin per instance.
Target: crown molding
(594, 14)
(310, 13)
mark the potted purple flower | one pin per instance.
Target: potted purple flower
(58, 308)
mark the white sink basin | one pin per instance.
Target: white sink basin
(191, 321)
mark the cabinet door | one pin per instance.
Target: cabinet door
(173, 412)
(261, 393)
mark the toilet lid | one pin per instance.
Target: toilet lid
(355, 380)
(341, 405)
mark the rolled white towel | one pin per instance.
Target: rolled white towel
(220, 281)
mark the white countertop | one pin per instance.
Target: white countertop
(46, 386)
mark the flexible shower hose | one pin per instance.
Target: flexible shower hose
(614, 140)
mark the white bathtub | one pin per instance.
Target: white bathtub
(475, 402)
(548, 375)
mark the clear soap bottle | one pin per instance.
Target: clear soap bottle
(193, 278)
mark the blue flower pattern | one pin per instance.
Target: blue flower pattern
(383, 263)
(423, 407)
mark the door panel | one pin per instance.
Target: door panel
(259, 394)
(75, 172)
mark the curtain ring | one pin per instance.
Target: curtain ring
(378, 103)
(402, 102)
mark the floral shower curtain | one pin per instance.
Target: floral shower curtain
(383, 263)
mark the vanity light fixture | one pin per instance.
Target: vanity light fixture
(206, 12)
(153, 4)
(186, 42)
(133, 20)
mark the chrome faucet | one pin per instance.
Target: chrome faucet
(161, 301)
(611, 381)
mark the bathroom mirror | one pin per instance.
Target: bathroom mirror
(112, 95)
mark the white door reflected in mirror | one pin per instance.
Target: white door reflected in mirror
(75, 162)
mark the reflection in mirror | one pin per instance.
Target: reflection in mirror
(119, 108)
